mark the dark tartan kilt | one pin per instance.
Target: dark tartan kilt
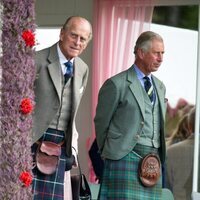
(50, 187)
(120, 179)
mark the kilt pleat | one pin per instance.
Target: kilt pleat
(120, 179)
(50, 187)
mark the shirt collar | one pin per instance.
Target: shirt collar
(139, 73)
(62, 59)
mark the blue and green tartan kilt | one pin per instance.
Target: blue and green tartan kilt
(50, 187)
(120, 178)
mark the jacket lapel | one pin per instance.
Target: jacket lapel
(55, 74)
(161, 94)
(77, 83)
(55, 70)
(136, 89)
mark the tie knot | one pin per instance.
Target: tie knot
(69, 68)
(149, 88)
(147, 82)
(146, 78)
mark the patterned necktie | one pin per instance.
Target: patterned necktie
(69, 70)
(149, 88)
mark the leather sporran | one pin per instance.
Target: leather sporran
(47, 157)
(149, 170)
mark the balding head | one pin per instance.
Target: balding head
(73, 19)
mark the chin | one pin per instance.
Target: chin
(156, 68)
(72, 56)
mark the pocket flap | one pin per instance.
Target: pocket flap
(50, 148)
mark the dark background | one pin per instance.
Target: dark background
(177, 16)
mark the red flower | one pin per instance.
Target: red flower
(26, 178)
(29, 38)
(26, 106)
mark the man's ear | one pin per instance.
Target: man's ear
(61, 34)
(140, 53)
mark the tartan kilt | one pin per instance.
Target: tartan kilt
(120, 178)
(50, 187)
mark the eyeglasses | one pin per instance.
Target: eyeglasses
(75, 36)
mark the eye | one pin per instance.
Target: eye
(83, 40)
(74, 36)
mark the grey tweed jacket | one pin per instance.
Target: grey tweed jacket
(48, 91)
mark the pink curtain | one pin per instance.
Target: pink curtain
(116, 26)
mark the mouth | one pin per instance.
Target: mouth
(74, 49)
(157, 64)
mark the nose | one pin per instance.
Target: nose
(78, 40)
(160, 57)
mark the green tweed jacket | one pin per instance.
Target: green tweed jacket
(120, 114)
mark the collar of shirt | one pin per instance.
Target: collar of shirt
(62, 59)
(140, 75)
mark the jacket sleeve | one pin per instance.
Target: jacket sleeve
(106, 106)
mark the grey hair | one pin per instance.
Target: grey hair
(144, 41)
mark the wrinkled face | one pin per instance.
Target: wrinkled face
(152, 59)
(74, 38)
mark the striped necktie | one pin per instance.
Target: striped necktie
(69, 70)
(149, 88)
